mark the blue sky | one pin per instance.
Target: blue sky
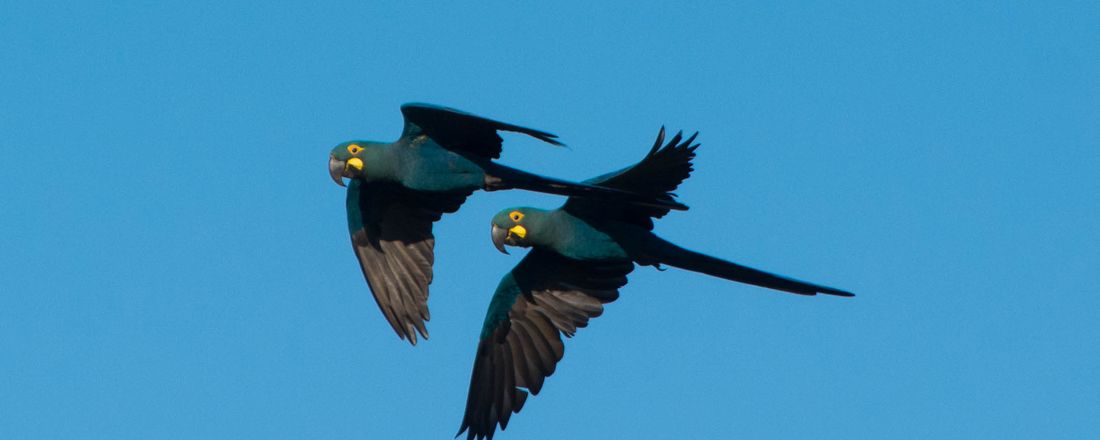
(174, 260)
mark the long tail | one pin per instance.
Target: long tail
(662, 251)
(504, 177)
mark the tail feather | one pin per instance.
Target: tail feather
(675, 256)
(502, 177)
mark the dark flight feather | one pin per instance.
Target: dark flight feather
(520, 347)
(391, 233)
(656, 176)
(463, 132)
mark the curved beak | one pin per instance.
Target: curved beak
(499, 234)
(336, 170)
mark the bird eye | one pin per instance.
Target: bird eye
(516, 216)
(354, 149)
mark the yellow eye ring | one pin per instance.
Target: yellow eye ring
(354, 149)
(516, 216)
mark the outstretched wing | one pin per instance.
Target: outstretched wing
(545, 296)
(391, 232)
(460, 131)
(657, 175)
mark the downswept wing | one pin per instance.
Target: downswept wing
(460, 131)
(544, 297)
(656, 175)
(391, 233)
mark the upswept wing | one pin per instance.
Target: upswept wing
(460, 131)
(544, 297)
(391, 233)
(657, 175)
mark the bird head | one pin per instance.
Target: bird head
(346, 160)
(514, 226)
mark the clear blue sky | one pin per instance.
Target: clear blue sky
(174, 260)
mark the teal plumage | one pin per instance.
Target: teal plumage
(398, 190)
(580, 256)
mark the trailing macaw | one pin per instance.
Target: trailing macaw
(580, 256)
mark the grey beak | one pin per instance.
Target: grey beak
(499, 234)
(336, 170)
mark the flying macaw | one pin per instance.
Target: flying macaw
(398, 190)
(580, 256)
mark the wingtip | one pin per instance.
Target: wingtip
(666, 203)
(691, 139)
(841, 293)
(411, 337)
(553, 140)
(657, 143)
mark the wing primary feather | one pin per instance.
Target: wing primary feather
(657, 143)
(391, 228)
(509, 386)
(520, 355)
(548, 296)
(536, 372)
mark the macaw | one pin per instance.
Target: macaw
(579, 258)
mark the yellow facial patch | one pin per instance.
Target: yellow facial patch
(518, 231)
(354, 149)
(516, 216)
(356, 163)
